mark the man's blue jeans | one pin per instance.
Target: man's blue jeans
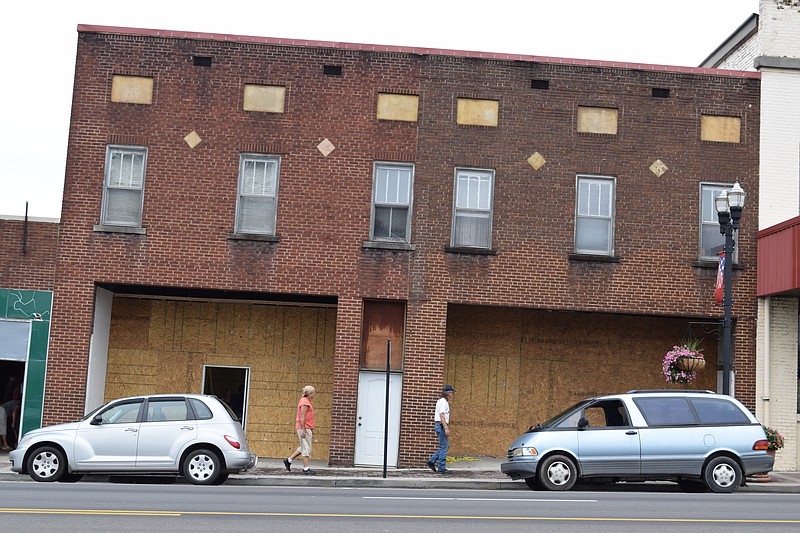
(440, 457)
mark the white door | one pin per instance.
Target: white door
(371, 418)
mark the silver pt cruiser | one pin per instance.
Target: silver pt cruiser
(197, 436)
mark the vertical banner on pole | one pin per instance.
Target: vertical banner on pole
(720, 285)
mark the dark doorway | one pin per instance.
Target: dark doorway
(230, 384)
(11, 375)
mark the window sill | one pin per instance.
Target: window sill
(469, 251)
(594, 258)
(388, 245)
(714, 265)
(253, 237)
(102, 228)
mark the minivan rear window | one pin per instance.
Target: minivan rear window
(718, 411)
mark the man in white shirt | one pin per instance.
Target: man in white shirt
(441, 417)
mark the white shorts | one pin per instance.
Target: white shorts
(305, 442)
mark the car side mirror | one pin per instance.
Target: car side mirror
(97, 420)
(583, 422)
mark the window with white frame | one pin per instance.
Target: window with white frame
(391, 202)
(711, 240)
(124, 186)
(594, 215)
(256, 207)
(472, 212)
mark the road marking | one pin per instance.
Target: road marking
(89, 512)
(8, 510)
(476, 499)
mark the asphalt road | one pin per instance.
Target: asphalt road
(178, 507)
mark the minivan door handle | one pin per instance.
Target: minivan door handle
(631, 432)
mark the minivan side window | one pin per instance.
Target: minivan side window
(606, 413)
(666, 411)
(718, 411)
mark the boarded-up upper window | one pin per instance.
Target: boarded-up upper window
(403, 107)
(597, 120)
(264, 98)
(720, 129)
(472, 112)
(132, 90)
(382, 321)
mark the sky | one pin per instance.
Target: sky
(39, 63)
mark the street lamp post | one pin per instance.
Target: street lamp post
(729, 206)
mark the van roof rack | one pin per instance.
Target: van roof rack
(677, 391)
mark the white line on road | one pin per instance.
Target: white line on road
(475, 499)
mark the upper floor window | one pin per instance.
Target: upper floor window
(594, 215)
(391, 202)
(257, 202)
(472, 212)
(711, 240)
(124, 186)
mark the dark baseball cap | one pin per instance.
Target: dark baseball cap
(448, 388)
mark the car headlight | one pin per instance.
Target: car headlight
(525, 451)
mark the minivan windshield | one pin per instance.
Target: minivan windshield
(552, 422)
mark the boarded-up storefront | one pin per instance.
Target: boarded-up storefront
(516, 367)
(163, 346)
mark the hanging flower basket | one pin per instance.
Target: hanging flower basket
(691, 363)
(682, 362)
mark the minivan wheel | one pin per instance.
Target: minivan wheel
(722, 474)
(202, 467)
(558, 472)
(47, 464)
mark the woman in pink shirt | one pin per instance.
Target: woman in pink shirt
(304, 424)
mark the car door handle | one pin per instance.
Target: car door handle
(132, 430)
(631, 432)
(187, 428)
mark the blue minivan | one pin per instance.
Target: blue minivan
(698, 439)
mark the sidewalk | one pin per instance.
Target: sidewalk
(467, 473)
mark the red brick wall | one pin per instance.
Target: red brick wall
(33, 269)
(324, 202)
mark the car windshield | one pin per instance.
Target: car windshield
(551, 422)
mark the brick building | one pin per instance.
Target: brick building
(248, 215)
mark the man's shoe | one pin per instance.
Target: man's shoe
(287, 464)
(431, 465)
(309, 472)
(445, 472)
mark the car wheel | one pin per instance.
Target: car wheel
(722, 474)
(202, 467)
(533, 483)
(558, 472)
(47, 464)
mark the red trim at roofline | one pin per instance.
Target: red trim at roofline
(171, 34)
